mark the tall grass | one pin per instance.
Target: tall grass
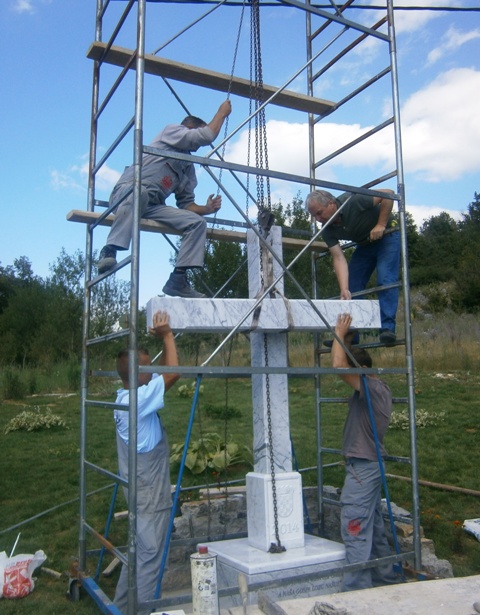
(40, 469)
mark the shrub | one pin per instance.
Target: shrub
(209, 452)
(34, 421)
(423, 418)
(188, 390)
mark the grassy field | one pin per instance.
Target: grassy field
(40, 468)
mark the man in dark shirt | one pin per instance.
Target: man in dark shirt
(364, 220)
(362, 526)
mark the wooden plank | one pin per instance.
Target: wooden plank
(89, 217)
(187, 73)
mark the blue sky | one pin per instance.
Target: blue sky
(46, 94)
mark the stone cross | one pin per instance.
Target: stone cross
(274, 498)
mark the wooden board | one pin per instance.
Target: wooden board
(90, 217)
(120, 56)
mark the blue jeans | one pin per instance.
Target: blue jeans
(384, 256)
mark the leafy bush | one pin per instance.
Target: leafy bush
(188, 390)
(209, 452)
(34, 421)
(423, 418)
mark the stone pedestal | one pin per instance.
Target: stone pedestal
(318, 555)
(261, 517)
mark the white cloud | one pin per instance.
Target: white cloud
(23, 6)
(27, 6)
(409, 21)
(61, 180)
(76, 178)
(420, 213)
(441, 127)
(452, 41)
(440, 136)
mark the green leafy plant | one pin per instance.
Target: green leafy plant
(210, 452)
(188, 390)
(423, 418)
(34, 420)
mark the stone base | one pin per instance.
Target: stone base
(260, 510)
(317, 555)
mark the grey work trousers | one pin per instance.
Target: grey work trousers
(362, 526)
(190, 225)
(154, 503)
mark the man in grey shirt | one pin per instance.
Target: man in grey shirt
(362, 526)
(162, 177)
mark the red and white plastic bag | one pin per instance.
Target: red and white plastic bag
(16, 580)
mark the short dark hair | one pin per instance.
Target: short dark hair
(193, 122)
(122, 361)
(361, 356)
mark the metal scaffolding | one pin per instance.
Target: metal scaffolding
(332, 34)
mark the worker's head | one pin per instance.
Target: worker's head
(321, 205)
(361, 356)
(122, 366)
(193, 122)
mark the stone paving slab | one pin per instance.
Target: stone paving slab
(439, 597)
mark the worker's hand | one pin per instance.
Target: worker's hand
(225, 108)
(213, 204)
(346, 295)
(377, 232)
(161, 324)
(343, 325)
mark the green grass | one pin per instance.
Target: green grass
(40, 469)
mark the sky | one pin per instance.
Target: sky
(46, 105)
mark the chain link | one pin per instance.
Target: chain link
(261, 162)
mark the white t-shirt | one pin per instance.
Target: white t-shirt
(149, 428)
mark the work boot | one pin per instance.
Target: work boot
(388, 337)
(107, 259)
(178, 286)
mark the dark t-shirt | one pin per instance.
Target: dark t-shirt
(358, 217)
(358, 439)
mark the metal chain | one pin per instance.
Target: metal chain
(261, 159)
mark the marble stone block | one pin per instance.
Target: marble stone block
(270, 391)
(318, 555)
(260, 510)
(222, 315)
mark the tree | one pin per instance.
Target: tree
(225, 268)
(41, 320)
(467, 271)
(437, 250)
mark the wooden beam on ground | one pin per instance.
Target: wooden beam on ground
(187, 73)
(217, 234)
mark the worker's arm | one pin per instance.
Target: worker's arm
(340, 267)
(212, 205)
(385, 206)
(339, 356)
(161, 328)
(217, 122)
